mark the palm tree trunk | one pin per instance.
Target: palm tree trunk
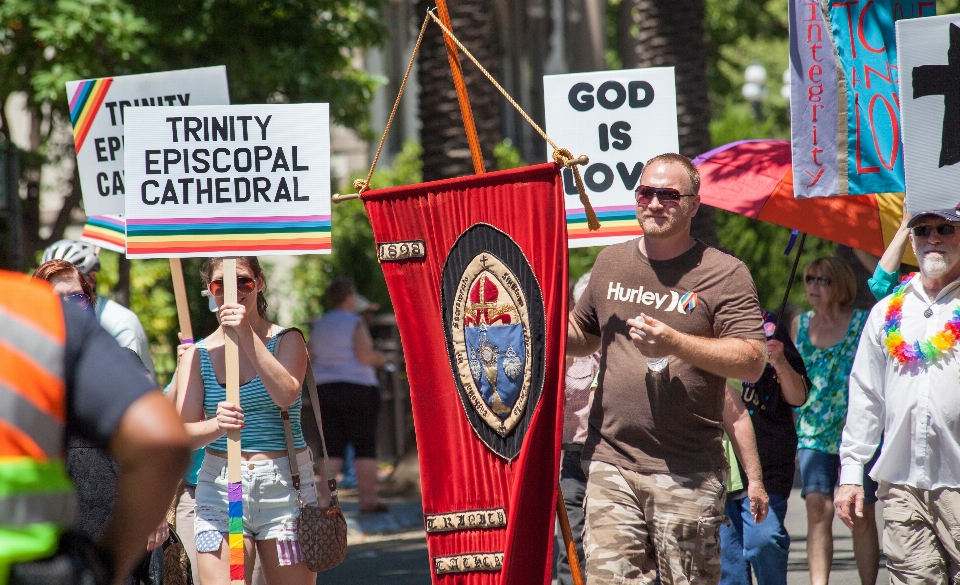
(445, 150)
(654, 33)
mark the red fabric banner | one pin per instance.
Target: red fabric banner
(477, 271)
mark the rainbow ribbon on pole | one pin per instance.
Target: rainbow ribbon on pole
(235, 499)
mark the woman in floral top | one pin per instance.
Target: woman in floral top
(827, 338)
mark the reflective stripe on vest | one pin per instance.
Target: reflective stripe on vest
(46, 432)
(33, 492)
(32, 390)
(59, 509)
(44, 350)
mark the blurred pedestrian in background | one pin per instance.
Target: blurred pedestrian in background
(345, 367)
(119, 321)
(827, 338)
(578, 393)
(748, 548)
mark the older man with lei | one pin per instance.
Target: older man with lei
(905, 385)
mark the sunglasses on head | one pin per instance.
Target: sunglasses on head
(245, 286)
(944, 229)
(645, 194)
(821, 280)
(79, 299)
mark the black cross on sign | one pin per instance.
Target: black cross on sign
(944, 80)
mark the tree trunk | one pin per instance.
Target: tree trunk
(445, 150)
(654, 33)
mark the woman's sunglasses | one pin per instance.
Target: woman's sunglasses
(667, 195)
(244, 286)
(944, 229)
(821, 280)
(79, 299)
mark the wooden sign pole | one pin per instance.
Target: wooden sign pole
(465, 111)
(571, 549)
(232, 358)
(180, 294)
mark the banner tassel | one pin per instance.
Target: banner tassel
(564, 157)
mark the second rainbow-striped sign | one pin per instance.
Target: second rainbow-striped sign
(98, 109)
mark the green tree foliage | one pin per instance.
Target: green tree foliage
(283, 50)
(155, 305)
(279, 51)
(47, 43)
(286, 51)
(760, 245)
(738, 33)
(354, 253)
(507, 155)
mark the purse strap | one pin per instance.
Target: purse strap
(311, 386)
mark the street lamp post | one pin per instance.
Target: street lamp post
(755, 87)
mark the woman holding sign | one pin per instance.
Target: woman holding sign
(272, 367)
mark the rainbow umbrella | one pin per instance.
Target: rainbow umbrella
(106, 231)
(755, 178)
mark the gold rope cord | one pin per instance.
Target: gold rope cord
(561, 156)
(362, 185)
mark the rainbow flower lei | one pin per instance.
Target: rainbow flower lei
(927, 351)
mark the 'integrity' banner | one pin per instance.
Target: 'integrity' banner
(844, 99)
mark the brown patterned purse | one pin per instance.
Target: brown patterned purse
(322, 531)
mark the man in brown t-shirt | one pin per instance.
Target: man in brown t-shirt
(656, 467)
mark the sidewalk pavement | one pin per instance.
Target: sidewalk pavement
(405, 515)
(844, 571)
(404, 521)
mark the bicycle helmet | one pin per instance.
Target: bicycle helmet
(81, 254)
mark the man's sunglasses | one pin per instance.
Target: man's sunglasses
(645, 194)
(244, 286)
(79, 299)
(922, 231)
(821, 280)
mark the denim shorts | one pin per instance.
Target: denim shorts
(820, 472)
(270, 509)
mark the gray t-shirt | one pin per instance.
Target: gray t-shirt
(668, 421)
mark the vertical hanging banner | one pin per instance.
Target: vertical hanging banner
(477, 272)
(99, 107)
(620, 119)
(930, 86)
(844, 99)
(228, 180)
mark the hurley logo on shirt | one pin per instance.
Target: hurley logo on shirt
(683, 304)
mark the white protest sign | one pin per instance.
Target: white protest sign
(620, 119)
(929, 65)
(228, 180)
(98, 108)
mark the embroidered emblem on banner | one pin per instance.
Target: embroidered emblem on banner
(396, 251)
(467, 520)
(494, 325)
(469, 562)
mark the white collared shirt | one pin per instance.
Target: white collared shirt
(915, 409)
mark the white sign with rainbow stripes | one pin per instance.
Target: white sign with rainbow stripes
(620, 119)
(98, 108)
(241, 180)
